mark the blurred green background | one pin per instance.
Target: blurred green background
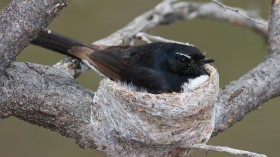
(236, 51)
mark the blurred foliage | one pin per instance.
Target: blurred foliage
(236, 51)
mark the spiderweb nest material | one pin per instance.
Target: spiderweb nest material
(179, 119)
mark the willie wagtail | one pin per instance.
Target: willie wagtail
(157, 67)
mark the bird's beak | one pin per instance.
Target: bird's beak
(207, 60)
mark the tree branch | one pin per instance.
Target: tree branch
(254, 88)
(247, 93)
(167, 12)
(151, 38)
(274, 35)
(49, 97)
(241, 13)
(215, 12)
(19, 24)
(226, 149)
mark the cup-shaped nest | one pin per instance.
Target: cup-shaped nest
(159, 119)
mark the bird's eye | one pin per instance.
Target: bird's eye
(183, 59)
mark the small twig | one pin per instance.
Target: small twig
(239, 12)
(142, 36)
(227, 150)
(149, 38)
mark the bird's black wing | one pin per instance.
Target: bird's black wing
(111, 62)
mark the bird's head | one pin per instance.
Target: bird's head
(186, 60)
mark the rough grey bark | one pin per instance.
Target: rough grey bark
(247, 93)
(257, 86)
(46, 100)
(274, 29)
(38, 95)
(19, 24)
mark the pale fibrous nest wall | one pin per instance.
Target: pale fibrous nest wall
(179, 119)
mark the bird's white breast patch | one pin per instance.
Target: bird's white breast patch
(194, 83)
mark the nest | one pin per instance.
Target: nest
(179, 119)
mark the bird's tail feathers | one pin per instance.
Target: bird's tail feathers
(62, 44)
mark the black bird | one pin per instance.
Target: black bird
(157, 67)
